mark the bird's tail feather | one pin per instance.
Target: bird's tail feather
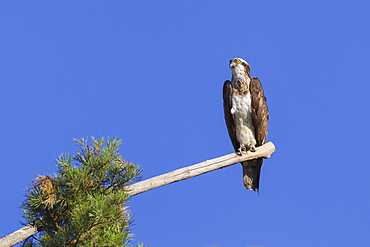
(251, 174)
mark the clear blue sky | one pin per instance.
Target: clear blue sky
(151, 73)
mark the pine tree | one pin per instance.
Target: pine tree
(84, 203)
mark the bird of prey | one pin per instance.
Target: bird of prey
(246, 116)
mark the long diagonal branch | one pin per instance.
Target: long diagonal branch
(195, 170)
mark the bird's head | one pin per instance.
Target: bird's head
(239, 67)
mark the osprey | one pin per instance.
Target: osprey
(246, 116)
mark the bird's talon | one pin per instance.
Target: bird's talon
(242, 150)
(252, 148)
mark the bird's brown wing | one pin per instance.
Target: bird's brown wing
(227, 97)
(260, 113)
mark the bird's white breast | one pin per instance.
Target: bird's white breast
(242, 112)
(242, 104)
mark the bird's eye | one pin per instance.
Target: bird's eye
(238, 61)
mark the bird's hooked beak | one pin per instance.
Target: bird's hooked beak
(232, 64)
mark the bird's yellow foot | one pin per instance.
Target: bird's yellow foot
(251, 147)
(242, 150)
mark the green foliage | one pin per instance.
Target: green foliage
(84, 204)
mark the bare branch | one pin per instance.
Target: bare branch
(195, 170)
(263, 151)
(18, 236)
